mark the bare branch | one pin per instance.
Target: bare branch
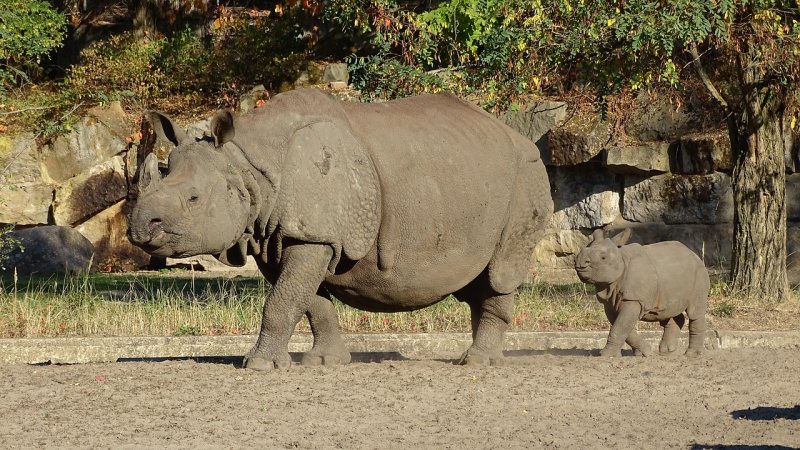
(34, 108)
(701, 72)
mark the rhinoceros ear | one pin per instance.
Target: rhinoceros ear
(597, 235)
(222, 128)
(622, 238)
(165, 128)
(149, 176)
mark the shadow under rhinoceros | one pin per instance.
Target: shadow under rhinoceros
(238, 361)
(560, 352)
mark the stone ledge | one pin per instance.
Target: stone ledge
(412, 346)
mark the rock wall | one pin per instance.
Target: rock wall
(79, 181)
(662, 178)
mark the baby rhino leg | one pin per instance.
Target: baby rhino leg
(672, 331)
(639, 346)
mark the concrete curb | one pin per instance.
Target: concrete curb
(397, 346)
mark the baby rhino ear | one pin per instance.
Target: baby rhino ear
(622, 238)
(222, 128)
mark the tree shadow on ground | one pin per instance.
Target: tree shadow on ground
(757, 413)
(740, 447)
(768, 413)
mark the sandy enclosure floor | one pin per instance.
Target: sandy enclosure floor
(745, 398)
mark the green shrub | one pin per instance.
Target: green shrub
(29, 31)
(259, 50)
(122, 65)
(7, 244)
(388, 78)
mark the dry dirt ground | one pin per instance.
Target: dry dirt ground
(744, 398)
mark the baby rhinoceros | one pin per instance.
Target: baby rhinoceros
(655, 282)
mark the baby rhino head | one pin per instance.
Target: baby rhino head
(601, 261)
(201, 206)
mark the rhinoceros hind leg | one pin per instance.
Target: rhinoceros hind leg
(697, 336)
(328, 348)
(491, 313)
(697, 320)
(672, 332)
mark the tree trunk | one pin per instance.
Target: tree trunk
(144, 19)
(758, 270)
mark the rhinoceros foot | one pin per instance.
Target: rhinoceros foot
(261, 363)
(693, 352)
(329, 357)
(611, 352)
(668, 348)
(477, 357)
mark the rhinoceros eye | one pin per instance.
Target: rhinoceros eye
(193, 199)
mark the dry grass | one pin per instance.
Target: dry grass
(154, 305)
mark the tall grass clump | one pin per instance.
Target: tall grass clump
(103, 305)
(180, 305)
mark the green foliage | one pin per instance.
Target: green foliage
(505, 49)
(241, 51)
(188, 330)
(261, 49)
(7, 245)
(144, 69)
(29, 31)
(723, 309)
(392, 79)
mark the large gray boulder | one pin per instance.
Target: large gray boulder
(585, 196)
(642, 158)
(25, 195)
(534, 119)
(108, 233)
(701, 154)
(793, 253)
(678, 199)
(577, 141)
(793, 197)
(557, 249)
(659, 119)
(98, 137)
(90, 192)
(712, 243)
(791, 144)
(48, 250)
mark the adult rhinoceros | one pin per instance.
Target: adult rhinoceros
(388, 207)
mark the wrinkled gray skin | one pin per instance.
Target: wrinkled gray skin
(653, 283)
(389, 207)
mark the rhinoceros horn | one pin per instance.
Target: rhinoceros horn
(149, 175)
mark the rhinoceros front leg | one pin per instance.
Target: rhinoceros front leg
(627, 316)
(639, 346)
(328, 346)
(303, 267)
(490, 319)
